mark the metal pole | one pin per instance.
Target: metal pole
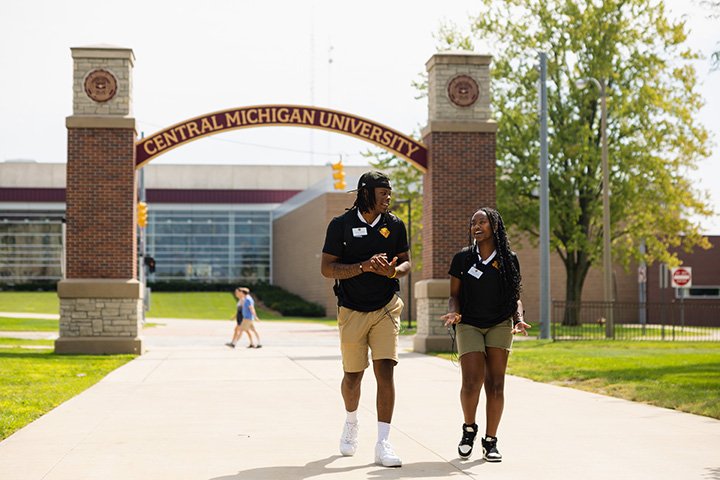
(608, 293)
(409, 275)
(607, 258)
(142, 273)
(63, 251)
(642, 289)
(544, 206)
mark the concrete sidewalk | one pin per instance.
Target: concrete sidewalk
(191, 408)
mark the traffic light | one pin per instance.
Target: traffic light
(338, 175)
(142, 210)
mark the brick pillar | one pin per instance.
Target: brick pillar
(101, 299)
(460, 137)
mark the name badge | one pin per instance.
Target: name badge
(474, 272)
(359, 232)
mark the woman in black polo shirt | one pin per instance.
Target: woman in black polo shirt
(485, 309)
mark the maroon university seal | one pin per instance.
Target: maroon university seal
(463, 91)
(100, 85)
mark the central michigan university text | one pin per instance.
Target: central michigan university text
(280, 115)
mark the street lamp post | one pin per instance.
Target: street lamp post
(545, 298)
(607, 258)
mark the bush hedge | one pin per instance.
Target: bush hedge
(43, 286)
(285, 302)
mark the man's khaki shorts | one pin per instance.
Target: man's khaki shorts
(474, 339)
(377, 330)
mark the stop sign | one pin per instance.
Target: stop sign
(681, 277)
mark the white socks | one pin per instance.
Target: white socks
(351, 417)
(383, 428)
(383, 431)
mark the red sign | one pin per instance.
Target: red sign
(282, 115)
(681, 277)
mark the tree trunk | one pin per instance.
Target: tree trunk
(576, 269)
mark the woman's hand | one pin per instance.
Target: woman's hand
(451, 318)
(520, 327)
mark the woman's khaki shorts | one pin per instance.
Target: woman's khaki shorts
(474, 339)
(377, 330)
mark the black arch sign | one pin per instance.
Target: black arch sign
(281, 115)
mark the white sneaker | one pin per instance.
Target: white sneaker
(348, 441)
(385, 455)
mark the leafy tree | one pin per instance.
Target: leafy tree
(653, 135)
(407, 195)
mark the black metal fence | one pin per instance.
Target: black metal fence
(680, 321)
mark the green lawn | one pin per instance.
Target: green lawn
(17, 342)
(34, 381)
(29, 302)
(197, 305)
(28, 325)
(683, 376)
(209, 306)
(193, 305)
(680, 375)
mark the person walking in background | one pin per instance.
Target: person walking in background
(249, 317)
(365, 250)
(238, 317)
(245, 316)
(485, 310)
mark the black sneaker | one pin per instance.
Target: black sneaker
(230, 344)
(467, 441)
(490, 451)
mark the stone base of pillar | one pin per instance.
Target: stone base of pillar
(425, 344)
(98, 345)
(100, 316)
(431, 300)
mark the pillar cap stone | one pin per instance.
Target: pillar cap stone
(103, 51)
(99, 288)
(100, 121)
(480, 126)
(457, 58)
(432, 288)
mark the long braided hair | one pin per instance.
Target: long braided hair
(511, 279)
(365, 200)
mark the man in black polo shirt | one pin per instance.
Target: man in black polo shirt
(365, 251)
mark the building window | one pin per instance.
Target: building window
(30, 246)
(210, 245)
(202, 245)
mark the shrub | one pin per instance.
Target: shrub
(36, 286)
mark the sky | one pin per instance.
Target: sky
(194, 58)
